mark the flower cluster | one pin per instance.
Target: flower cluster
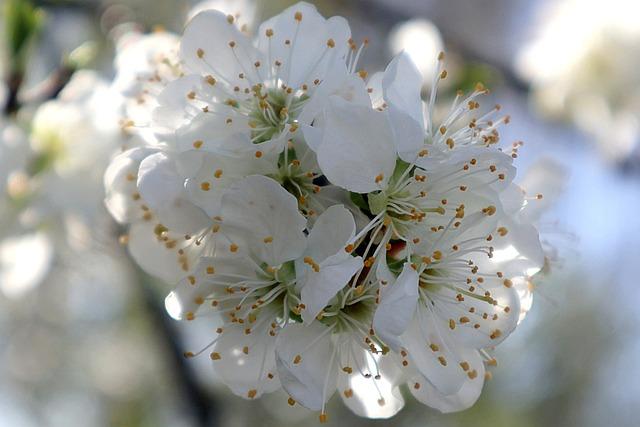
(347, 237)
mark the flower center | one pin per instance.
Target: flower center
(271, 110)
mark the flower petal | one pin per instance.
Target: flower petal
(120, 184)
(307, 56)
(330, 234)
(459, 400)
(259, 216)
(307, 366)
(434, 352)
(211, 45)
(376, 395)
(401, 85)
(162, 187)
(357, 151)
(318, 287)
(397, 307)
(246, 362)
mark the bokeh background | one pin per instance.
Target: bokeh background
(90, 345)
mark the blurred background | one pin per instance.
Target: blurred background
(84, 340)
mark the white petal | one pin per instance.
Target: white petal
(519, 252)
(401, 86)
(341, 83)
(397, 307)
(371, 397)
(152, 255)
(331, 195)
(206, 50)
(162, 187)
(120, 184)
(374, 86)
(203, 280)
(330, 234)
(440, 364)
(175, 108)
(312, 380)
(210, 131)
(317, 288)
(261, 217)
(249, 374)
(459, 400)
(357, 148)
(216, 174)
(307, 57)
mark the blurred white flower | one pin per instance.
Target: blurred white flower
(24, 262)
(421, 40)
(583, 64)
(72, 138)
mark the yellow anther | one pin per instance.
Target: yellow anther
(200, 53)
(268, 239)
(205, 186)
(442, 360)
(198, 143)
(297, 359)
(233, 247)
(379, 178)
(331, 43)
(217, 173)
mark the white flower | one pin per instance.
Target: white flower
(254, 277)
(582, 64)
(339, 352)
(424, 140)
(357, 150)
(24, 262)
(455, 296)
(72, 138)
(259, 88)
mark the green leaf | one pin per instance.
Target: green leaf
(22, 23)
